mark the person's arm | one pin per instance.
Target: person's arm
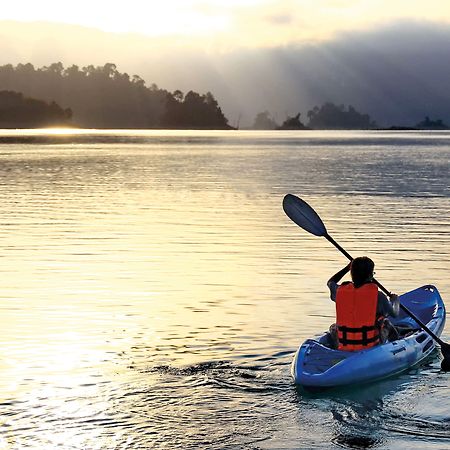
(334, 280)
(386, 307)
(338, 276)
(395, 304)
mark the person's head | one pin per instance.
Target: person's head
(361, 270)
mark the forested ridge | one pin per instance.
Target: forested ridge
(18, 111)
(103, 97)
(333, 117)
(326, 117)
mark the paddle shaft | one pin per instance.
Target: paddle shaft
(404, 308)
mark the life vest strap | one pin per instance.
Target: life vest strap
(357, 330)
(345, 341)
(365, 340)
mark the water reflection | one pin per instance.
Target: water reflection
(352, 441)
(368, 416)
(152, 276)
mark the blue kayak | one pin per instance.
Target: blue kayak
(316, 366)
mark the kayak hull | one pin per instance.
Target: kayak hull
(317, 367)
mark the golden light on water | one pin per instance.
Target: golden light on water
(54, 131)
(151, 276)
(58, 131)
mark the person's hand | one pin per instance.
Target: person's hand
(395, 303)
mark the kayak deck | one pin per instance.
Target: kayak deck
(317, 366)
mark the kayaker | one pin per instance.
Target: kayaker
(362, 311)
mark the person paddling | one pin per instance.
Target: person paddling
(361, 310)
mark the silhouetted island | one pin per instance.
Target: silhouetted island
(292, 123)
(102, 97)
(264, 121)
(331, 116)
(326, 117)
(17, 111)
(426, 124)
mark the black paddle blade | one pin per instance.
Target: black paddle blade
(445, 363)
(303, 215)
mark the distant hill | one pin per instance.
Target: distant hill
(292, 123)
(17, 111)
(326, 117)
(103, 97)
(332, 117)
(428, 124)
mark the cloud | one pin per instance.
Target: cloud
(280, 19)
(397, 73)
(231, 23)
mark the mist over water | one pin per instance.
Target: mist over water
(154, 292)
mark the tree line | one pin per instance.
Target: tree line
(17, 111)
(327, 116)
(333, 117)
(103, 97)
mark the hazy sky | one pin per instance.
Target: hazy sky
(389, 58)
(229, 23)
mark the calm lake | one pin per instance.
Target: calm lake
(153, 292)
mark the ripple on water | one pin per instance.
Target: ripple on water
(153, 290)
(394, 411)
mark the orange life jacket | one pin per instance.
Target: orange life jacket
(356, 316)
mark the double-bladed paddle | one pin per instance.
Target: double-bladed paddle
(305, 217)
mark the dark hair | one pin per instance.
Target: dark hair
(362, 270)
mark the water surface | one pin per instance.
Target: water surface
(153, 292)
